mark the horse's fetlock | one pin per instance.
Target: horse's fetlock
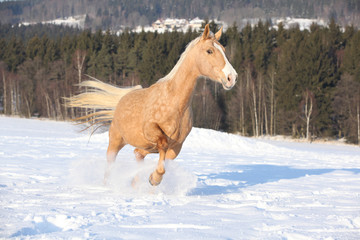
(160, 172)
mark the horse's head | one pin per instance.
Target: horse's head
(211, 60)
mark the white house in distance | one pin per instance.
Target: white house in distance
(197, 22)
(174, 24)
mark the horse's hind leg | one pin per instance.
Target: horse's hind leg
(116, 143)
(140, 154)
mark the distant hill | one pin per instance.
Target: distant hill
(115, 13)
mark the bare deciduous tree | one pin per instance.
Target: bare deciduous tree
(79, 60)
(307, 106)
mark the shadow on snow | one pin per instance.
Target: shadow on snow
(39, 228)
(242, 176)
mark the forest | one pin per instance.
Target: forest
(305, 84)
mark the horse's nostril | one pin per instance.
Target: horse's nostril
(229, 78)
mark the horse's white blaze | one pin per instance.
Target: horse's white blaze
(228, 70)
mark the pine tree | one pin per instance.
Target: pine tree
(150, 62)
(33, 47)
(14, 54)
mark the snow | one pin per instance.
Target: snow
(288, 22)
(221, 186)
(72, 21)
(304, 23)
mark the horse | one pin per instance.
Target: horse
(157, 119)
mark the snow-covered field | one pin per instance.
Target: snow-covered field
(221, 186)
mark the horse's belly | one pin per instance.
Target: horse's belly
(132, 133)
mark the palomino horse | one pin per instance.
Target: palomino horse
(159, 118)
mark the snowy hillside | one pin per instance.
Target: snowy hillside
(221, 186)
(72, 21)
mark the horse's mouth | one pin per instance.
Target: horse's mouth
(227, 85)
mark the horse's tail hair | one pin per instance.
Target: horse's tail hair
(100, 99)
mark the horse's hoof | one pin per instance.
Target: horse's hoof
(154, 182)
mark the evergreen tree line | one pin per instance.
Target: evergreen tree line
(291, 82)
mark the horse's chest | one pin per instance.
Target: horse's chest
(162, 112)
(177, 126)
(169, 119)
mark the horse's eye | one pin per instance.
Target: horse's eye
(209, 51)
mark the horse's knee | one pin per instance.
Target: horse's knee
(173, 152)
(170, 154)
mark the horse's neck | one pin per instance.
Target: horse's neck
(183, 85)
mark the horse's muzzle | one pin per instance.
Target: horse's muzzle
(229, 82)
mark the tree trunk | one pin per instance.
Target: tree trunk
(242, 113)
(255, 110)
(260, 123)
(293, 130)
(307, 111)
(47, 106)
(80, 59)
(252, 119)
(59, 115)
(27, 107)
(274, 133)
(11, 98)
(18, 98)
(307, 129)
(5, 93)
(266, 119)
(72, 112)
(50, 108)
(358, 123)
(272, 107)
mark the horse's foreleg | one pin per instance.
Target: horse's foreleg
(169, 154)
(173, 151)
(156, 177)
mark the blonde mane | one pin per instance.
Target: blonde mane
(175, 69)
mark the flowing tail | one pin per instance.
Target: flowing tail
(100, 98)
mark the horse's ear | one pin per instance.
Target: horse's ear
(218, 34)
(206, 32)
